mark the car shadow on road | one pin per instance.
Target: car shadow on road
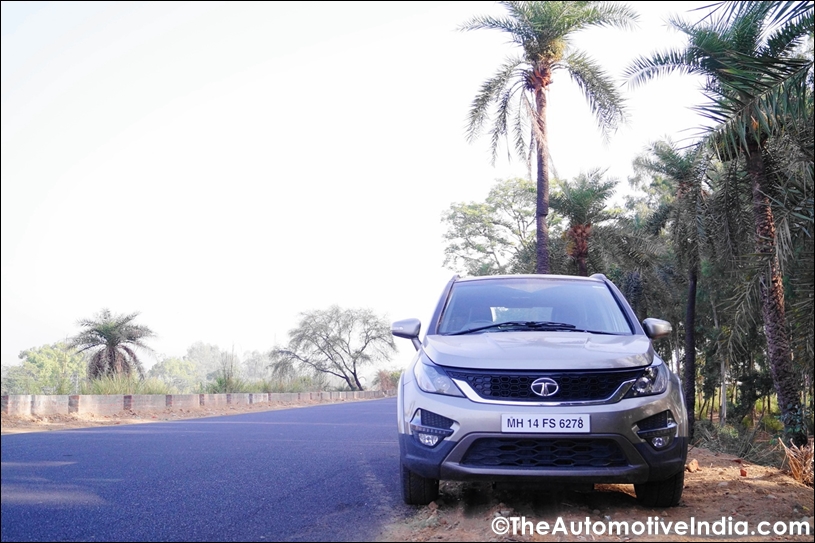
(505, 498)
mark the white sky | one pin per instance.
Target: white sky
(222, 167)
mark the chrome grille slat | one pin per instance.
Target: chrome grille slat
(578, 386)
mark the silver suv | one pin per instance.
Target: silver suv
(539, 377)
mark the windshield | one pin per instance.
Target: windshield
(530, 304)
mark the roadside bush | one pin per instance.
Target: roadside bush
(226, 378)
(772, 425)
(125, 384)
(228, 384)
(387, 379)
(300, 383)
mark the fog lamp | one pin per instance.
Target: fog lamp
(428, 439)
(658, 430)
(428, 435)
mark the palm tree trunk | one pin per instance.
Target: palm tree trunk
(581, 240)
(582, 269)
(723, 394)
(772, 303)
(690, 349)
(722, 373)
(542, 203)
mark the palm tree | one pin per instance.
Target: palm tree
(684, 216)
(583, 202)
(113, 340)
(756, 86)
(519, 89)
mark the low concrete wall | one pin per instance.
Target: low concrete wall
(183, 401)
(17, 405)
(25, 404)
(144, 402)
(289, 397)
(212, 400)
(49, 405)
(100, 404)
(238, 398)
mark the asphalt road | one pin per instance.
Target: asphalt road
(322, 473)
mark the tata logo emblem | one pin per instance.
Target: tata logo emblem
(544, 387)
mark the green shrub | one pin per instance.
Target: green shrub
(229, 384)
(301, 383)
(772, 425)
(387, 379)
(125, 384)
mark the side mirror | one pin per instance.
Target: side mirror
(408, 329)
(657, 328)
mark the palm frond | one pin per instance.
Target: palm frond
(491, 91)
(609, 14)
(746, 110)
(602, 94)
(659, 64)
(511, 26)
(772, 14)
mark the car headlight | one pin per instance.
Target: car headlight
(654, 380)
(432, 378)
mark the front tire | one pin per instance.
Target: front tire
(417, 490)
(665, 493)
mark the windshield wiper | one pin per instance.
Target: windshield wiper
(597, 332)
(548, 326)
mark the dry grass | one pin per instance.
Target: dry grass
(755, 445)
(799, 460)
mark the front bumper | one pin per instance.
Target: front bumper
(479, 426)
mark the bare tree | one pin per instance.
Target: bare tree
(337, 342)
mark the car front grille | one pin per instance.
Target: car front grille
(544, 453)
(654, 422)
(435, 420)
(575, 386)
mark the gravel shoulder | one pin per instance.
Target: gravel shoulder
(16, 425)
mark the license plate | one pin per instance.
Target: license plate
(546, 424)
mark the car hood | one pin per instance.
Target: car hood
(539, 351)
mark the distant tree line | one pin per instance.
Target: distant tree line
(329, 349)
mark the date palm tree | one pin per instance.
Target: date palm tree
(583, 202)
(112, 341)
(518, 92)
(684, 216)
(756, 86)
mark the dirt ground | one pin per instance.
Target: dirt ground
(722, 486)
